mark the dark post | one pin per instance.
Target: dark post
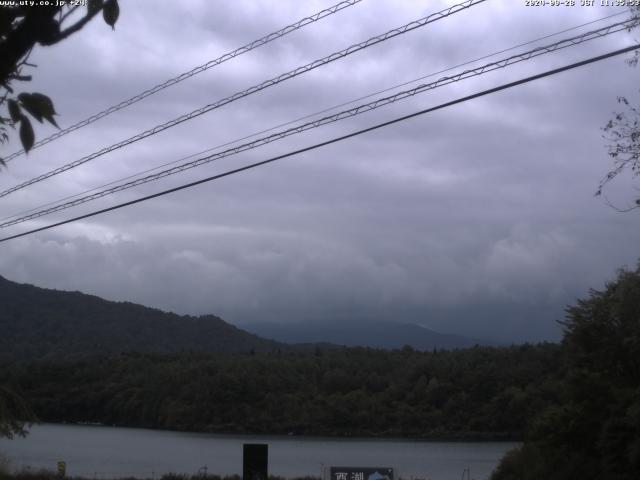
(255, 460)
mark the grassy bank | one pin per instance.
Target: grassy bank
(6, 474)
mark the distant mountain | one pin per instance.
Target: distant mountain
(42, 323)
(375, 334)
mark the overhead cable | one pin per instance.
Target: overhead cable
(307, 116)
(331, 141)
(280, 78)
(489, 67)
(194, 71)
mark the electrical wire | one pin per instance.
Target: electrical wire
(568, 42)
(194, 71)
(311, 115)
(333, 140)
(256, 88)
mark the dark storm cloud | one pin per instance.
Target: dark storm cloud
(478, 219)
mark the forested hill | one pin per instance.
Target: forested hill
(42, 323)
(476, 393)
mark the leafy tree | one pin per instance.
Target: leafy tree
(344, 391)
(21, 29)
(15, 415)
(593, 432)
(623, 134)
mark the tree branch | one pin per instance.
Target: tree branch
(22, 39)
(620, 210)
(76, 26)
(64, 16)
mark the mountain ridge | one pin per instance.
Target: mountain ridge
(373, 333)
(44, 323)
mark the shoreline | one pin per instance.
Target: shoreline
(373, 437)
(99, 452)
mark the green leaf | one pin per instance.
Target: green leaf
(110, 12)
(14, 110)
(51, 120)
(38, 105)
(30, 106)
(27, 137)
(45, 106)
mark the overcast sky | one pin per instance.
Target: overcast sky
(479, 219)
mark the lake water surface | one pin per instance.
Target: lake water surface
(108, 452)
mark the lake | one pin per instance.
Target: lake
(108, 452)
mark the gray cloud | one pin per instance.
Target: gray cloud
(479, 219)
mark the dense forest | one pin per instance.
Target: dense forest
(591, 429)
(481, 392)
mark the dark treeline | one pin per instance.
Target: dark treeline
(481, 392)
(591, 430)
(50, 475)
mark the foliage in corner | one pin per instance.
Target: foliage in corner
(593, 432)
(21, 29)
(622, 134)
(15, 414)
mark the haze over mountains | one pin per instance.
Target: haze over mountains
(43, 323)
(376, 334)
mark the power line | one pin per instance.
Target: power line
(290, 122)
(310, 115)
(334, 140)
(199, 69)
(256, 88)
(568, 42)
